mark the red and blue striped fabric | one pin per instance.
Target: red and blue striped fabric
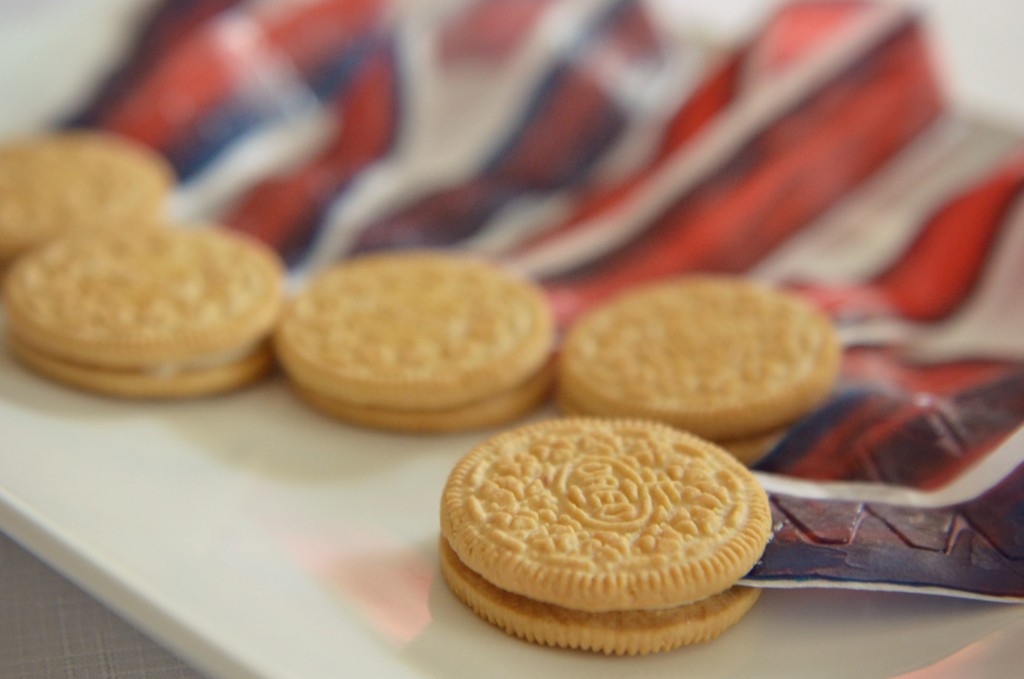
(286, 211)
(569, 123)
(790, 169)
(950, 251)
(204, 74)
(168, 23)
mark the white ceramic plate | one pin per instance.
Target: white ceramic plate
(259, 538)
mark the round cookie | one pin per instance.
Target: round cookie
(605, 515)
(638, 632)
(719, 356)
(65, 182)
(389, 337)
(159, 312)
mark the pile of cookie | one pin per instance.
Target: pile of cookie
(621, 527)
(101, 294)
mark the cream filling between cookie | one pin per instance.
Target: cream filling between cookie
(206, 362)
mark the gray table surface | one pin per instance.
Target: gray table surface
(52, 629)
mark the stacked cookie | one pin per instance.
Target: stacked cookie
(722, 357)
(418, 341)
(102, 295)
(617, 536)
(152, 313)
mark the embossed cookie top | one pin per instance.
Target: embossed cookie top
(129, 299)
(700, 351)
(416, 324)
(81, 180)
(595, 514)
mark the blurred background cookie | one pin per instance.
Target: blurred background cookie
(418, 341)
(149, 313)
(725, 358)
(61, 183)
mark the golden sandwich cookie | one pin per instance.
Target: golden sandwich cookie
(617, 536)
(60, 183)
(722, 357)
(153, 313)
(418, 341)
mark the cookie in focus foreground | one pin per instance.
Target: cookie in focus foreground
(728, 359)
(631, 534)
(418, 341)
(156, 313)
(60, 183)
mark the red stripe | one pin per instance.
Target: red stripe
(800, 28)
(170, 23)
(204, 70)
(872, 365)
(489, 31)
(191, 79)
(318, 31)
(714, 93)
(941, 266)
(283, 211)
